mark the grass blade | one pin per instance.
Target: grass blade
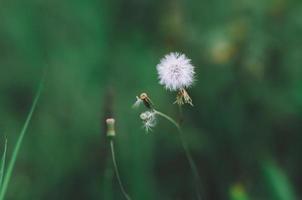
(3, 163)
(18, 144)
(278, 181)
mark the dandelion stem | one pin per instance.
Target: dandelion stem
(117, 171)
(187, 152)
(180, 121)
(169, 119)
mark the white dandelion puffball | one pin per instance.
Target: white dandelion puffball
(175, 71)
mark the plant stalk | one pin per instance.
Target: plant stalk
(117, 171)
(187, 152)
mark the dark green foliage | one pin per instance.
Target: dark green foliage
(244, 129)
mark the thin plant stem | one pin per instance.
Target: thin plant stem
(3, 163)
(180, 121)
(117, 171)
(187, 152)
(12, 162)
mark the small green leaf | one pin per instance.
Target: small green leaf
(278, 182)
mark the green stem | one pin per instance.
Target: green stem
(169, 119)
(117, 172)
(180, 121)
(12, 162)
(3, 163)
(187, 152)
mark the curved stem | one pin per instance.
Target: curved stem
(187, 152)
(117, 172)
(169, 119)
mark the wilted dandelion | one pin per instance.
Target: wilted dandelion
(149, 120)
(143, 98)
(176, 73)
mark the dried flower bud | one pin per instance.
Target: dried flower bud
(183, 97)
(110, 127)
(143, 98)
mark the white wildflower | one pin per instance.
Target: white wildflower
(149, 120)
(175, 72)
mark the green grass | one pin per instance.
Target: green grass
(278, 182)
(16, 150)
(3, 163)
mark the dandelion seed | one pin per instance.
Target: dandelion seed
(176, 73)
(137, 103)
(149, 120)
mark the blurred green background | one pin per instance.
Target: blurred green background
(244, 129)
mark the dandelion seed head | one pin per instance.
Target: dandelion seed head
(149, 120)
(175, 71)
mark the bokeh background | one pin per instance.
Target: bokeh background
(244, 130)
